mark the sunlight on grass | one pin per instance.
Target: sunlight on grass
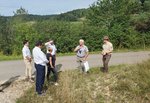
(123, 83)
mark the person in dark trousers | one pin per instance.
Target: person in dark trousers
(107, 52)
(51, 66)
(40, 61)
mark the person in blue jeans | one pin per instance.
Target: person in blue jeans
(40, 62)
(51, 66)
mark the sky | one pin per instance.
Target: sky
(42, 7)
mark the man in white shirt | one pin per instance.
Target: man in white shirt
(40, 61)
(82, 54)
(27, 60)
(107, 52)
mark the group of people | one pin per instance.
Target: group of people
(41, 60)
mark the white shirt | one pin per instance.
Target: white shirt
(39, 57)
(53, 47)
(26, 52)
(108, 47)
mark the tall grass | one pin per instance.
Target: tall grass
(123, 84)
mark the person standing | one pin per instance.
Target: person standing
(51, 67)
(40, 61)
(27, 60)
(82, 54)
(51, 45)
(106, 52)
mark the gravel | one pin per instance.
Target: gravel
(13, 89)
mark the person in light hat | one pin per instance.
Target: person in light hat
(82, 54)
(106, 53)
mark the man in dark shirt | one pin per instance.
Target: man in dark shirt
(51, 66)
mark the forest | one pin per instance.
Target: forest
(126, 22)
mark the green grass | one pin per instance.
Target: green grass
(123, 84)
(12, 57)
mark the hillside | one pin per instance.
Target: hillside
(73, 15)
(126, 22)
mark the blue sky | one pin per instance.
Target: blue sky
(42, 7)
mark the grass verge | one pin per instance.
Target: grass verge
(123, 84)
(12, 57)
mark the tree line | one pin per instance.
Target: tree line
(126, 22)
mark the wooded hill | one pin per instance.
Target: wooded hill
(126, 22)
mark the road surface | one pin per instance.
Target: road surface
(10, 69)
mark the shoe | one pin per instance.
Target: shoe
(27, 79)
(30, 80)
(41, 94)
(56, 84)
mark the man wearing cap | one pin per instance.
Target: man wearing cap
(106, 52)
(82, 54)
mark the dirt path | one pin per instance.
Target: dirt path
(16, 68)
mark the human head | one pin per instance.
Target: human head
(51, 42)
(26, 42)
(50, 50)
(81, 42)
(106, 39)
(39, 44)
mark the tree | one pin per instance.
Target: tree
(142, 1)
(21, 11)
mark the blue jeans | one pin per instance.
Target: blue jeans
(40, 77)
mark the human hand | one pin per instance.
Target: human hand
(103, 53)
(84, 59)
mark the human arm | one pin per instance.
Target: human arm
(87, 54)
(110, 49)
(26, 54)
(50, 61)
(77, 48)
(107, 50)
(42, 56)
(47, 43)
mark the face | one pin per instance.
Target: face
(81, 43)
(40, 46)
(105, 41)
(27, 44)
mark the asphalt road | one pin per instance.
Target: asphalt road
(14, 68)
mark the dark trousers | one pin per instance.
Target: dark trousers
(54, 60)
(54, 71)
(106, 59)
(40, 77)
